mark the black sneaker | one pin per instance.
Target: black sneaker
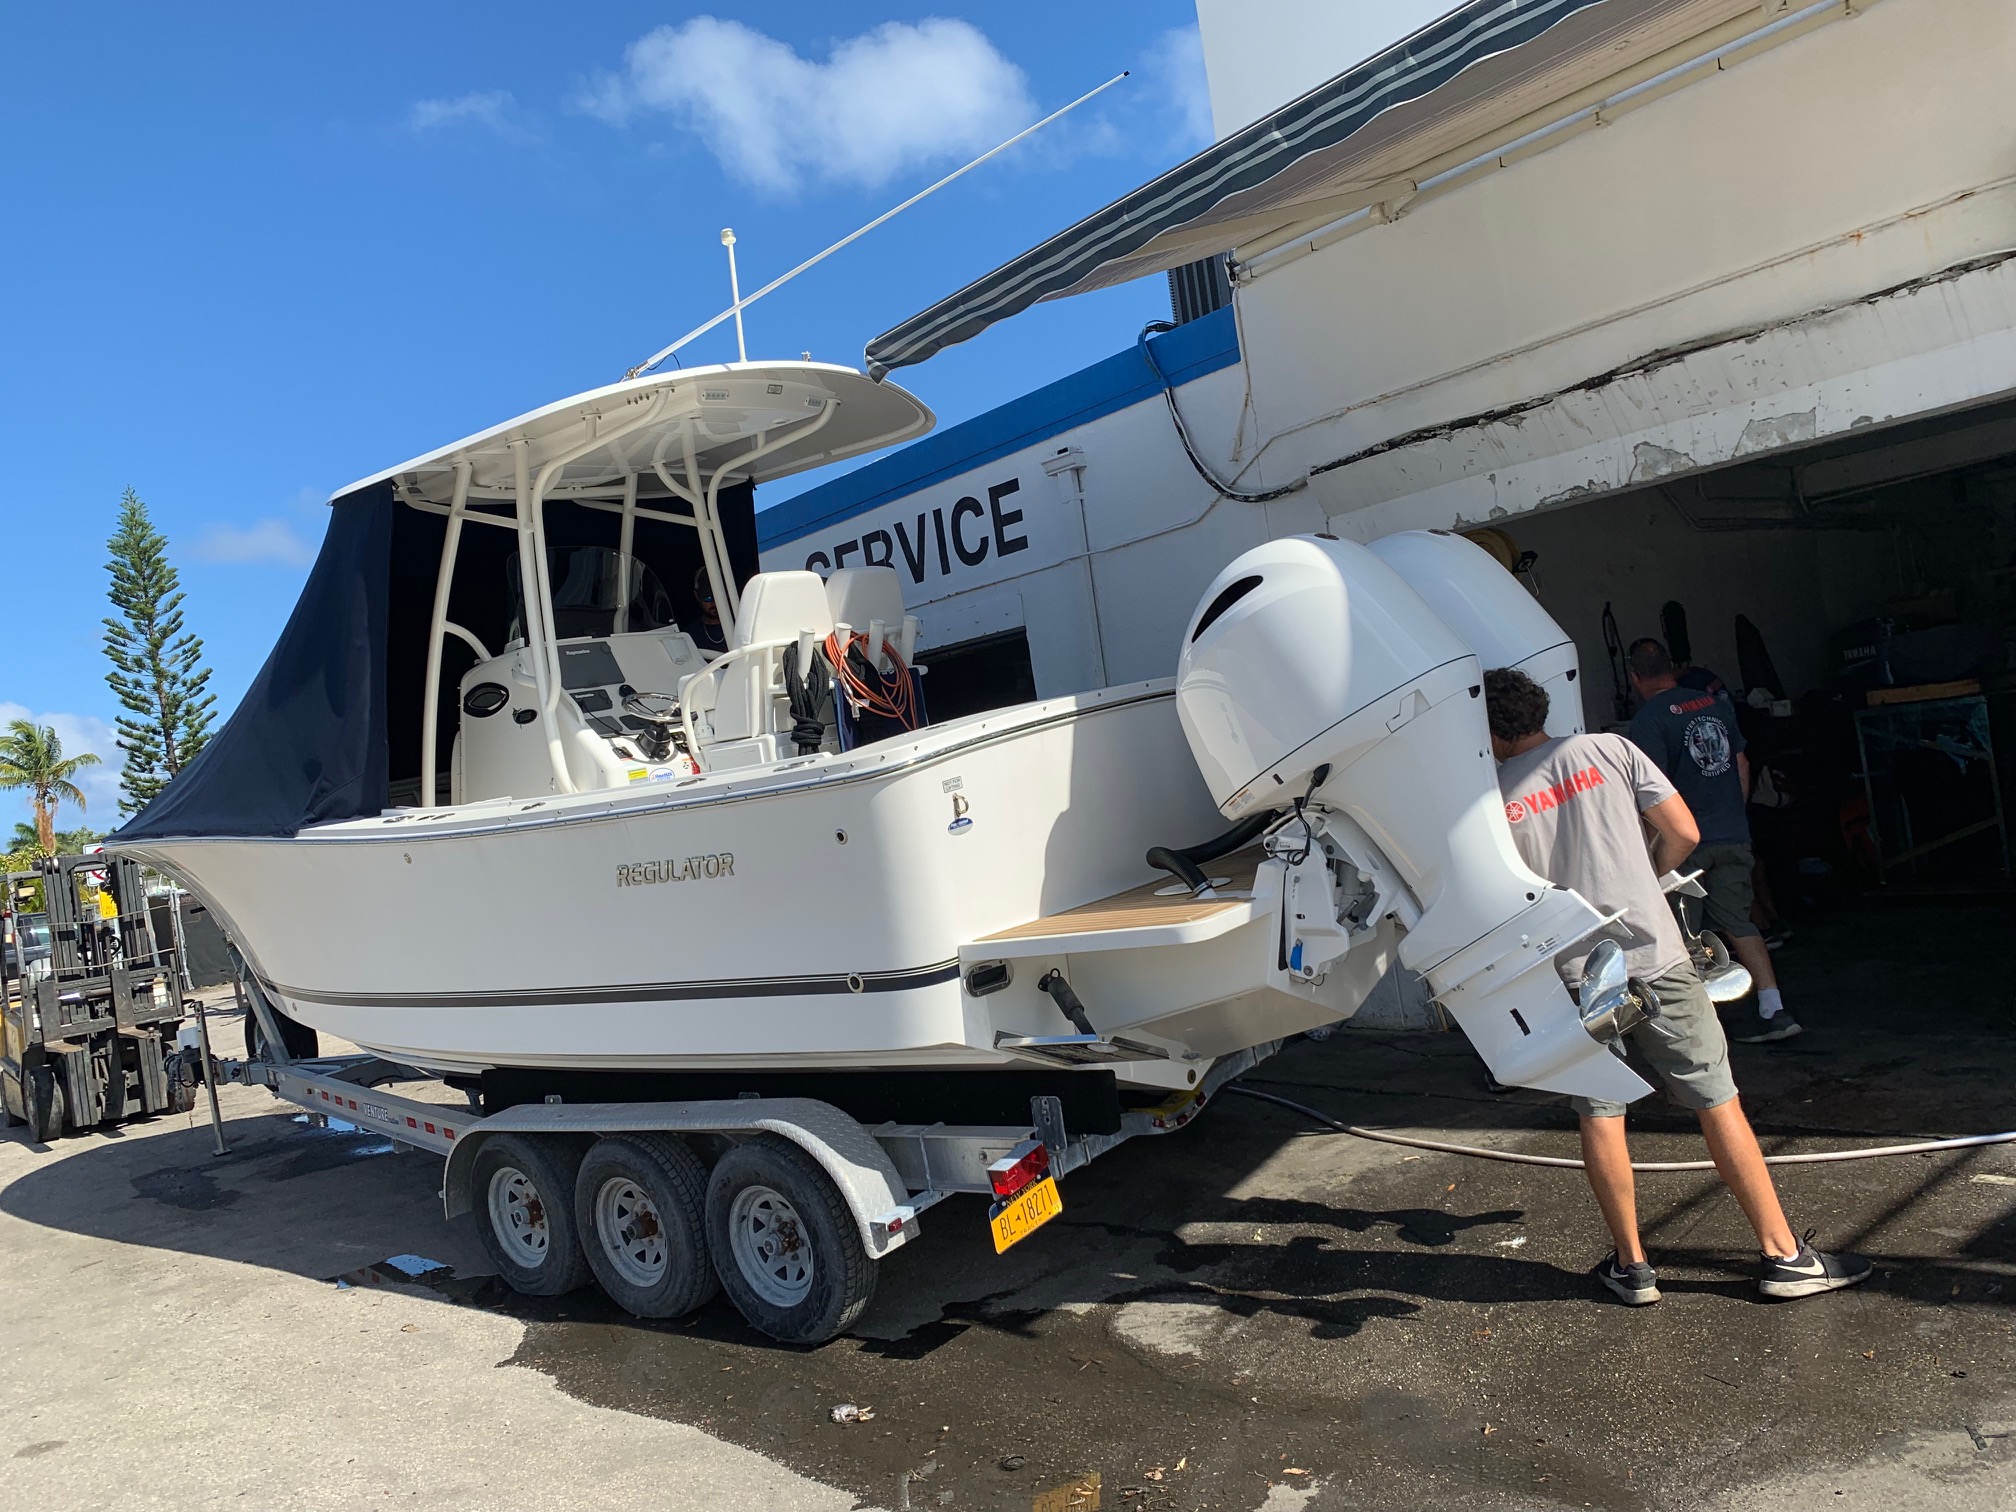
(1775, 936)
(1810, 1272)
(1755, 1029)
(1636, 1285)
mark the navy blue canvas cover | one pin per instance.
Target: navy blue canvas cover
(307, 744)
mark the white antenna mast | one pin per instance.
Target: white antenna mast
(734, 294)
(728, 237)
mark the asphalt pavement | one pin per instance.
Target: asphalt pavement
(1249, 1313)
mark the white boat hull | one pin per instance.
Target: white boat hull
(810, 916)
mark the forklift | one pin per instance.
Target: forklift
(88, 1035)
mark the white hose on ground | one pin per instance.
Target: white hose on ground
(1514, 1157)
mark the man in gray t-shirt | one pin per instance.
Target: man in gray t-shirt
(1574, 805)
(1578, 809)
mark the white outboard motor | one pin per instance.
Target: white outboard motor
(1312, 678)
(1492, 615)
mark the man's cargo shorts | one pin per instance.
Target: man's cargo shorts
(1726, 878)
(1685, 1046)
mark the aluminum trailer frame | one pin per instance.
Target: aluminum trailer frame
(886, 1174)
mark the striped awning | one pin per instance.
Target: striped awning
(1484, 67)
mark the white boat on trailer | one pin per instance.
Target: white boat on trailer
(706, 851)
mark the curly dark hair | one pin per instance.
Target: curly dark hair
(1515, 704)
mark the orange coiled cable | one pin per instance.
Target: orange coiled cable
(892, 697)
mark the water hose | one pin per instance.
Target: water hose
(1514, 1157)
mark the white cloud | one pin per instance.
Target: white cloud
(493, 109)
(889, 100)
(1174, 70)
(100, 784)
(273, 540)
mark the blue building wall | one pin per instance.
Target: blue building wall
(1185, 354)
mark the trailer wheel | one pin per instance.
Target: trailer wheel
(784, 1242)
(525, 1212)
(640, 1203)
(42, 1099)
(302, 1042)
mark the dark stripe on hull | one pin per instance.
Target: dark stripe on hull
(641, 992)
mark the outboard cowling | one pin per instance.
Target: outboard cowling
(1492, 614)
(1313, 677)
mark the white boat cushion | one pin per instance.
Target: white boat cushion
(861, 595)
(779, 606)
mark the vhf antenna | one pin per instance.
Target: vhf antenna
(734, 294)
(728, 239)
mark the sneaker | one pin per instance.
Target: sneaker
(1636, 1285)
(1775, 936)
(1759, 1030)
(1810, 1272)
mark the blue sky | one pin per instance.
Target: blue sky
(256, 252)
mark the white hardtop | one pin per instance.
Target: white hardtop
(724, 410)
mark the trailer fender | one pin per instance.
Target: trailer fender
(846, 1152)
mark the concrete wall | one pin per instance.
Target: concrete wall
(1774, 196)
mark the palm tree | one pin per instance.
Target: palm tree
(32, 757)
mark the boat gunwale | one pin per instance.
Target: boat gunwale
(422, 823)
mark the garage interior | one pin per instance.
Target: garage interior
(1858, 598)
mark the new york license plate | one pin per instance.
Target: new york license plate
(1025, 1212)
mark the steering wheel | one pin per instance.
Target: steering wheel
(657, 708)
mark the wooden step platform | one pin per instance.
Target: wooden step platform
(1140, 908)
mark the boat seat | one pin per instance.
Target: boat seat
(777, 606)
(863, 596)
(737, 711)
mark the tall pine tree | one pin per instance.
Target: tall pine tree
(157, 668)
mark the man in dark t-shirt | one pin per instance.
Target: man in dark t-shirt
(1693, 737)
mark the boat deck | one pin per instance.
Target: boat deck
(1145, 907)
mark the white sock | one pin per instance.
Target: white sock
(1769, 1003)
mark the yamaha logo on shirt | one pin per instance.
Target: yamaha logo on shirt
(1553, 795)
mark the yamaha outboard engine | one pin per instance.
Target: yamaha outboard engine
(1313, 679)
(1491, 614)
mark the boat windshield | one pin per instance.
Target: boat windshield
(596, 591)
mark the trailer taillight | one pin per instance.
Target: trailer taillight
(1027, 1162)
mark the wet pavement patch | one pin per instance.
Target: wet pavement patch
(1394, 1363)
(429, 1275)
(1250, 1307)
(192, 1189)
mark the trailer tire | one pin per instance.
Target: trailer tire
(43, 1103)
(525, 1211)
(301, 1042)
(640, 1202)
(784, 1242)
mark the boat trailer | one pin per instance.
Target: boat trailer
(784, 1203)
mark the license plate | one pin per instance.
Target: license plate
(1025, 1212)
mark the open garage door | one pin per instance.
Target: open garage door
(1859, 599)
